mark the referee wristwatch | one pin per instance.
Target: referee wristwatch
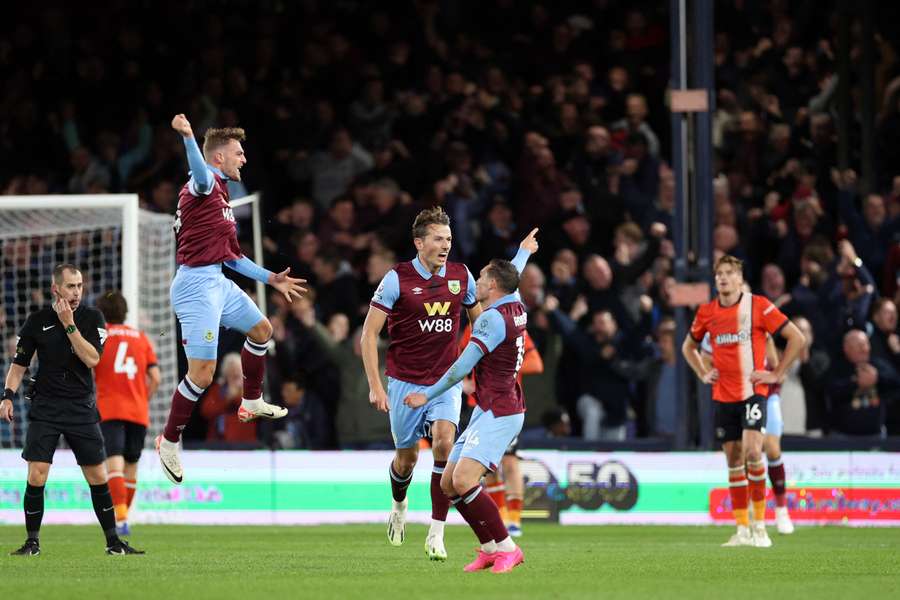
(71, 329)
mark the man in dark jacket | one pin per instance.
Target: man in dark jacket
(860, 388)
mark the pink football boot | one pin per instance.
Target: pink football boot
(482, 561)
(506, 561)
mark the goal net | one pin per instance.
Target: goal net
(117, 246)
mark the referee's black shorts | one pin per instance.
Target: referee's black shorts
(123, 438)
(85, 440)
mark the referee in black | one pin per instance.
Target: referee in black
(68, 338)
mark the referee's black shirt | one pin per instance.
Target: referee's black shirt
(64, 388)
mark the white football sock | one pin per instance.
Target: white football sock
(437, 528)
(252, 404)
(489, 547)
(506, 545)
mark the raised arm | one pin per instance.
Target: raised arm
(528, 247)
(202, 179)
(87, 345)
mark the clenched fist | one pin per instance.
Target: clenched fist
(182, 125)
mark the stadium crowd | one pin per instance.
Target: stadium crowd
(511, 116)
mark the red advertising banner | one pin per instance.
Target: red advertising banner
(822, 504)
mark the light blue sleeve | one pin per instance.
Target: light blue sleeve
(248, 268)
(706, 345)
(521, 259)
(489, 329)
(462, 367)
(470, 298)
(388, 291)
(202, 179)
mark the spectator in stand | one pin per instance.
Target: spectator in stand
(603, 389)
(773, 286)
(336, 286)
(356, 428)
(883, 333)
(219, 406)
(635, 122)
(306, 424)
(639, 180)
(861, 388)
(340, 229)
(540, 183)
(555, 424)
(564, 278)
(332, 172)
(850, 300)
(499, 237)
(371, 117)
(662, 401)
(594, 169)
(88, 175)
(869, 229)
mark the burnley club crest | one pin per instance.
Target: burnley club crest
(453, 286)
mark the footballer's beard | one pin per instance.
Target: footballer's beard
(233, 173)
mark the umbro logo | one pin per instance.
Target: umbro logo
(416, 290)
(48, 327)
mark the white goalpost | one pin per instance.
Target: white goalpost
(118, 246)
(256, 223)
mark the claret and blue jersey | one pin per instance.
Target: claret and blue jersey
(496, 351)
(206, 236)
(423, 314)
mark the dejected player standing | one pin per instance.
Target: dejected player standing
(127, 377)
(737, 323)
(421, 301)
(774, 427)
(496, 351)
(203, 298)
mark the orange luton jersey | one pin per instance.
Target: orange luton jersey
(122, 375)
(737, 334)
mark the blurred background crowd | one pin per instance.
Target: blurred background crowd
(510, 115)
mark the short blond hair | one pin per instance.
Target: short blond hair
(214, 139)
(730, 260)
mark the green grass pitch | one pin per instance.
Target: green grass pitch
(355, 561)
